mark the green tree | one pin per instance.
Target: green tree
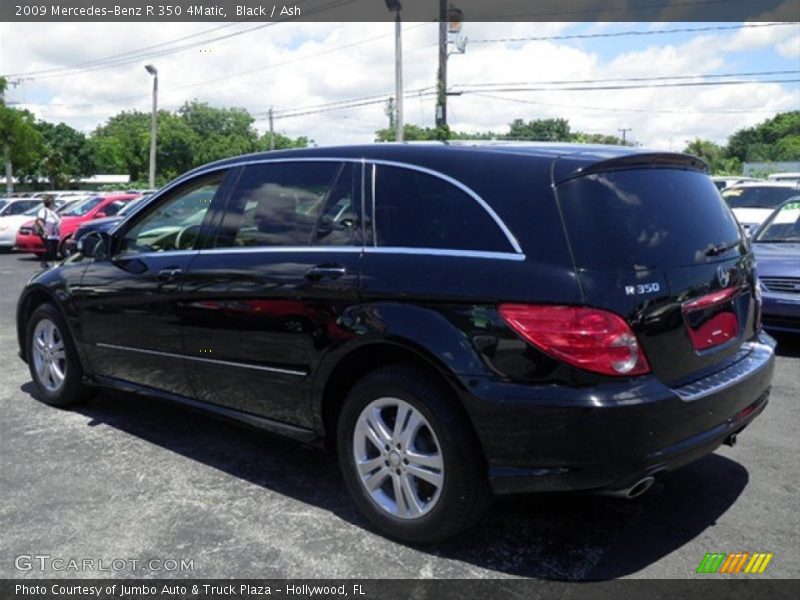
(776, 139)
(219, 132)
(69, 148)
(543, 130)
(122, 145)
(284, 142)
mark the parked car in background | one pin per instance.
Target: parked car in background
(10, 224)
(16, 206)
(726, 181)
(95, 207)
(790, 177)
(454, 321)
(102, 224)
(753, 202)
(776, 246)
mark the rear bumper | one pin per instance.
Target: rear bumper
(30, 243)
(607, 437)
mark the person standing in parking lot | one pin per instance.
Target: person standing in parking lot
(48, 223)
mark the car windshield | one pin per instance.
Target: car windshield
(3, 203)
(757, 197)
(82, 208)
(783, 225)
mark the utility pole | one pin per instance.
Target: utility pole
(271, 131)
(395, 6)
(441, 86)
(153, 125)
(624, 130)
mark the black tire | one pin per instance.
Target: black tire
(465, 494)
(72, 390)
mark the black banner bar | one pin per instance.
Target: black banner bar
(390, 589)
(412, 10)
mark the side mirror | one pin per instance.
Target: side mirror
(100, 215)
(95, 244)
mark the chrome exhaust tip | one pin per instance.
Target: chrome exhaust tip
(634, 491)
(640, 487)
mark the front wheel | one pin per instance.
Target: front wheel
(53, 360)
(409, 457)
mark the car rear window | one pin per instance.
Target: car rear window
(757, 197)
(645, 218)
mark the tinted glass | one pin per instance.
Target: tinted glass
(82, 208)
(111, 209)
(17, 208)
(417, 210)
(783, 225)
(174, 223)
(757, 197)
(645, 218)
(2, 205)
(279, 204)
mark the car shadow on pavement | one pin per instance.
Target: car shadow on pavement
(548, 536)
(788, 344)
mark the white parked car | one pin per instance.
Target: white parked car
(790, 177)
(10, 224)
(16, 206)
(753, 202)
(725, 181)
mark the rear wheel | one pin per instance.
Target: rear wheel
(53, 360)
(409, 457)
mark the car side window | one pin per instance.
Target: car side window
(292, 204)
(113, 208)
(418, 210)
(17, 208)
(174, 223)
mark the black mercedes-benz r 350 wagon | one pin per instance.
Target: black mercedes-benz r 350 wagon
(456, 321)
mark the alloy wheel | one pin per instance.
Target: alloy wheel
(398, 458)
(49, 355)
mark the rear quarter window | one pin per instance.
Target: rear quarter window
(644, 219)
(418, 210)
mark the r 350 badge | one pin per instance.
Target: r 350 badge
(642, 288)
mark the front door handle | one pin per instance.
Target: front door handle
(169, 274)
(326, 271)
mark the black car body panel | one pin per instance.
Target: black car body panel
(266, 334)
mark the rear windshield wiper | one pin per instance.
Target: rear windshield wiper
(723, 247)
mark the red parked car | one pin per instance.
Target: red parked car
(95, 207)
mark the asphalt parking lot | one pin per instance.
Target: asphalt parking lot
(126, 477)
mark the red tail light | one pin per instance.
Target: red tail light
(588, 338)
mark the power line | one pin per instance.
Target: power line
(633, 87)
(634, 32)
(626, 79)
(29, 74)
(683, 111)
(130, 58)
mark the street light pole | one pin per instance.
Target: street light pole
(154, 72)
(395, 6)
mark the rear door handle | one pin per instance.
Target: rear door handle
(326, 271)
(169, 274)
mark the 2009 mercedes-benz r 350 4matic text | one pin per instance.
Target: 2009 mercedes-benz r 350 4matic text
(454, 320)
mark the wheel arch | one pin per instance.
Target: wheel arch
(331, 390)
(33, 298)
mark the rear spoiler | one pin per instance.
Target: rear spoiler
(567, 167)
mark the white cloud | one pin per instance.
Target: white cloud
(85, 99)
